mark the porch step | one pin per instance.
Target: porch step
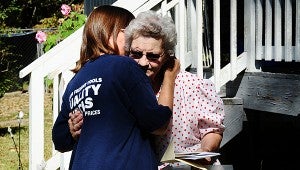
(234, 117)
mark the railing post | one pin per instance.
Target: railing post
(297, 37)
(233, 38)
(199, 38)
(288, 31)
(249, 31)
(268, 31)
(56, 104)
(217, 44)
(182, 33)
(36, 119)
(277, 31)
(258, 30)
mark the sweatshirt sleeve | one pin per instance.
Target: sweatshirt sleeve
(145, 108)
(61, 135)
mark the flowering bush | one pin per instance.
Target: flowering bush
(71, 20)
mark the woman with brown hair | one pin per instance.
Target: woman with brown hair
(115, 96)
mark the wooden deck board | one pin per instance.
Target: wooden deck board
(270, 92)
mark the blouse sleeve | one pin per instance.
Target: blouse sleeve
(198, 100)
(213, 109)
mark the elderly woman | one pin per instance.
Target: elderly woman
(198, 114)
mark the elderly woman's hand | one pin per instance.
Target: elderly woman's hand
(210, 143)
(205, 161)
(172, 72)
(75, 123)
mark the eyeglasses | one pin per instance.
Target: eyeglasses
(150, 56)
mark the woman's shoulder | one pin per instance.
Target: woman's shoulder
(118, 57)
(125, 65)
(191, 78)
(117, 61)
(125, 60)
(187, 76)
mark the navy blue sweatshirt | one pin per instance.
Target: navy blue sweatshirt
(120, 110)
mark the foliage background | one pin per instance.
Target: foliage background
(28, 13)
(19, 17)
(64, 25)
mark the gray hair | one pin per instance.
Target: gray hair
(154, 25)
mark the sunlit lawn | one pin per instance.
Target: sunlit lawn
(8, 150)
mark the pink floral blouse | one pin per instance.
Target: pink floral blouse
(197, 110)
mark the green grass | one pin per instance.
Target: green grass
(9, 156)
(8, 153)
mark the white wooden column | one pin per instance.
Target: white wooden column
(36, 119)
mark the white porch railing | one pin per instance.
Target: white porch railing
(276, 38)
(187, 15)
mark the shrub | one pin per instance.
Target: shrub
(71, 20)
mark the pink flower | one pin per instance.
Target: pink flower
(65, 9)
(41, 36)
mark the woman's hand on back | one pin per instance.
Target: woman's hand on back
(75, 123)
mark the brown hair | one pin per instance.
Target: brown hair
(103, 22)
